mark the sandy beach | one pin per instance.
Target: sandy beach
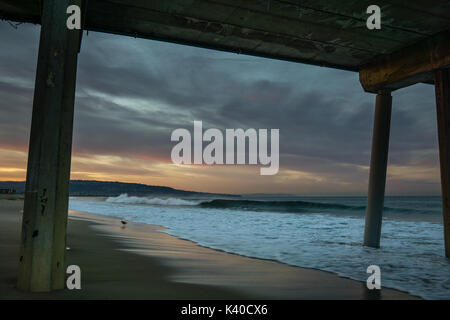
(138, 261)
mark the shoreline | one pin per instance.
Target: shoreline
(196, 279)
(149, 264)
(108, 270)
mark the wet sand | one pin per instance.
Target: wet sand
(138, 261)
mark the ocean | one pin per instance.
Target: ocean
(324, 233)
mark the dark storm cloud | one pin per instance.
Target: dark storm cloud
(15, 106)
(132, 93)
(17, 71)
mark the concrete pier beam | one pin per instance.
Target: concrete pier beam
(442, 86)
(378, 167)
(43, 242)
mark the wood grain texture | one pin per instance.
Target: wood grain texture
(442, 85)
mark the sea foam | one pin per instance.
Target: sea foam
(411, 256)
(125, 199)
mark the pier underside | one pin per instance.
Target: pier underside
(412, 46)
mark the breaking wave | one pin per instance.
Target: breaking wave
(277, 206)
(299, 206)
(125, 199)
(327, 236)
(280, 206)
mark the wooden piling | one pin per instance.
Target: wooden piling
(442, 87)
(42, 252)
(378, 167)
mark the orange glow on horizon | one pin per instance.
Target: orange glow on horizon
(214, 179)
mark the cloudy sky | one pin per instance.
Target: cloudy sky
(132, 93)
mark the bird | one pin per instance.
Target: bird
(123, 222)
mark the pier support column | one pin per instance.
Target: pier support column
(43, 242)
(378, 167)
(442, 86)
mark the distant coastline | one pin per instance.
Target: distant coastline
(94, 188)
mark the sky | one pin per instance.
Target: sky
(132, 93)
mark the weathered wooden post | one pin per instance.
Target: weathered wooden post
(42, 253)
(442, 86)
(399, 69)
(378, 167)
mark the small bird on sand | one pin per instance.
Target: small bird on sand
(123, 222)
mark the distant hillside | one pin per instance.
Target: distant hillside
(16, 185)
(104, 188)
